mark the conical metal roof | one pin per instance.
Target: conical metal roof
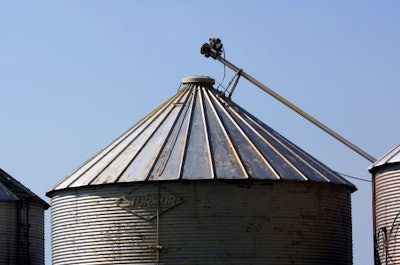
(13, 190)
(199, 134)
(392, 157)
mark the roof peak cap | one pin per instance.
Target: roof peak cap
(198, 79)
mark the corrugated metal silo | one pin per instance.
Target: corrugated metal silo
(21, 224)
(386, 206)
(201, 181)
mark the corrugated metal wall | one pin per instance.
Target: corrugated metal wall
(21, 233)
(203, 222)
(387, 214)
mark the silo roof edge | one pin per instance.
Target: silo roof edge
(391, 157)
(13, 190)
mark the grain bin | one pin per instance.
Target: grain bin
(386, 207)
(21, 224)
(200, 180)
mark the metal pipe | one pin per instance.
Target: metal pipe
(215, 55)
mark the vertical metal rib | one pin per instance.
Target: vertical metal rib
(86, 167)
(248, 140)
(184, 150)
(136, 174)
(116, 174)
(226, 134)
(195, 129)
(287, 162)
(205, 124)
(285, 146)
(165, 151)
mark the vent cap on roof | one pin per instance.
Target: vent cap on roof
(198, 80)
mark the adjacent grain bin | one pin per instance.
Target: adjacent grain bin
(201, 181)
(386, 206)
(21, 224)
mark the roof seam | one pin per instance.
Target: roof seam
(183, 156)
(206, 133)
(293, 153)
(93, 160)
(258, 152)
(157, 114)
(228, 137)
(172, 133)
(273, 148)
(194, 129)
(299, 157)
(139, 150)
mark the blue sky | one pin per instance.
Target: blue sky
(76, 74)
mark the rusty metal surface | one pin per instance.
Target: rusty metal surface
(393, 156)
(203, 222)
(22, 233)
(387, 214)
(199, 134)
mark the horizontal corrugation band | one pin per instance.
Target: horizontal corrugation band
(387, 215)
(215, 223)
(13, 251)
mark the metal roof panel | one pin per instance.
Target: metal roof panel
(393, 156)
(198, 133)
(13, 190)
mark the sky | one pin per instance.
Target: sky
(76, 74)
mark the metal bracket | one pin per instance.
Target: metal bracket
(236, 78)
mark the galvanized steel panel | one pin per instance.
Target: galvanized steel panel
(203, 222)
(199, 134)
(8, 232)
(21, 223)
(21, 233)
(88, 227)
(36, 234)
(387, 214)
